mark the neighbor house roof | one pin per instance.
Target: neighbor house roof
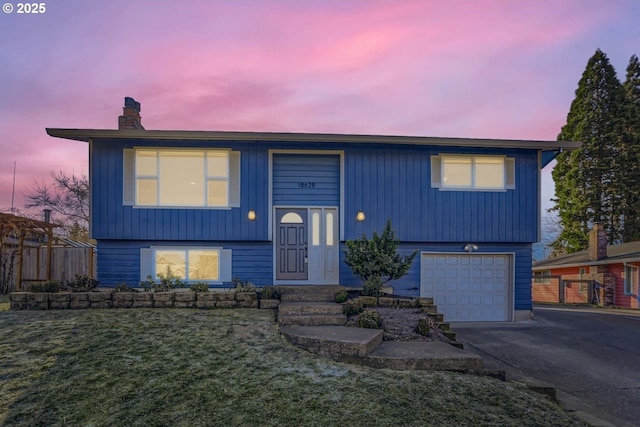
(89, 134)
(616, 254)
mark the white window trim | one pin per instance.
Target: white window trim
(437, 173)
(232, 179)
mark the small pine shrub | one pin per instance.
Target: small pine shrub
(352, 307)
(82, 283)
(200, 287)
(51, 286)
(370, 319)
(341, 296)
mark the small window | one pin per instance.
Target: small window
(630, 279)
(291, 218)
(542, 280)
(582, 276)
(481, 173)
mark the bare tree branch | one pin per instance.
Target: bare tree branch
(66, 195)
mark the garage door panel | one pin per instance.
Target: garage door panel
(468, 287)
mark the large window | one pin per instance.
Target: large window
(630, 278)
(483, 173)
(188, 264)
(182, 178)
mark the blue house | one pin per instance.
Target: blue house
(276, 208)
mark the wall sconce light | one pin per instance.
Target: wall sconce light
(469, 247)
(360, 216)
(251, 215)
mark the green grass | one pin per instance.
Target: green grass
(148, 367)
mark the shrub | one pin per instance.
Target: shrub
(377, 258)
(269, 292)
(168, 282)
(352, 307)
(372, 286)
(82, 283)
(200, 287)
(51, 286)
(423, 326)
(123, 287)
(341, 296)
(370, 319)
(243, 286)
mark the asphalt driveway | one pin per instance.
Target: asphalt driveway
(592, 358)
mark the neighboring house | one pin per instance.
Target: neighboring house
(614, 268)
(276, 208)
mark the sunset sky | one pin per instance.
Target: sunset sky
(456, 68)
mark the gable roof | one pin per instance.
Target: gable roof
(616, 254)
(87, 135)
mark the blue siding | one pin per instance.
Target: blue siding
(306, 179)
(112, 220)
(395, 183)
(119, 261)
(409, 285)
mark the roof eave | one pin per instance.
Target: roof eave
(587, 263)
(87, 135)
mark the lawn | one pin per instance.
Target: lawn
(183, 367)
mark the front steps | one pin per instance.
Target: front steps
(309, 318)
(310, 306)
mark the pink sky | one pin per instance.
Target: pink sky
(458, 68)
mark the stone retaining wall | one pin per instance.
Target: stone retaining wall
(102, 299)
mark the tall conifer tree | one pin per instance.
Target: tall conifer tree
(587, 179)
(631, 158)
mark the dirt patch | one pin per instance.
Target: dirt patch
(399, 324)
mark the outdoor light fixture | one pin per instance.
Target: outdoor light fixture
(251, 215)
(470, 247)
(360, 216)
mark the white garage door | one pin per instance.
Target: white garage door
(468, 287)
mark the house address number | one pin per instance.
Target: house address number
(306, 185)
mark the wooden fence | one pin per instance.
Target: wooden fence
(66, 262)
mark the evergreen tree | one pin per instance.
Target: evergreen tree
(631, 157)
(588, 180)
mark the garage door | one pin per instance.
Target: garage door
(468, 287)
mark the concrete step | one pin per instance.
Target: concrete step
(334, 342)
(308, 297)
(296, 308)
(437, 317)
(312, 319)
(427, 355)
(309, 289)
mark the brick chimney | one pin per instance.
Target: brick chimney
(597, 243)
(130, 118)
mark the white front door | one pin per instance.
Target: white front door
(323, 246)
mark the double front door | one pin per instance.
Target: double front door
(306, 245)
